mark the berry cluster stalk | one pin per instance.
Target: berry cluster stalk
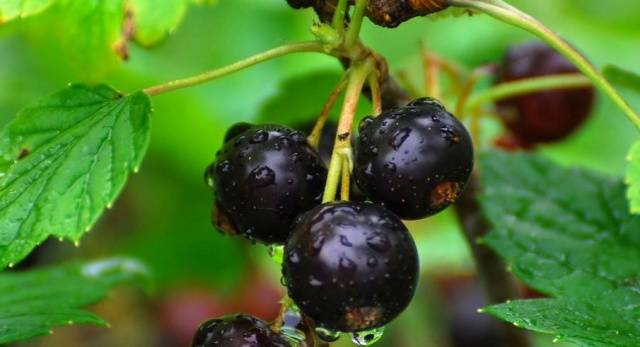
(511, 15)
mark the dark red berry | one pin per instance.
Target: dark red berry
(237, 331)
(263, 178)
(350, 266)
(415, 160)
(542, 116)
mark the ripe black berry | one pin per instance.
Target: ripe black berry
(542, 116)
(237, 331)
(263, 177)
(350, 266)
(415, 160)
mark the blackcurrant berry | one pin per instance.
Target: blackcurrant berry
(350, 266)
(237, 331)
(415, 160)
(263, 177)
(542, 116)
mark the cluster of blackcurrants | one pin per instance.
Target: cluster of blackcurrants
(349, 266)
(352, 266)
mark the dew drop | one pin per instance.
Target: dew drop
(399, 137)
(379, 242)
(259, 136)
(262, 176)
(345, 241)
(391, 167)
(347, 264)
(367, 337)
(365, 122)
(327, 335)
(314, 281)
(372, 262)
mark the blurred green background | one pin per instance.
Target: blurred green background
(163, 216)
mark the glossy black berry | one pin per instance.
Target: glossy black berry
(263, 177)
(415, 160)
(542, 116)
(237, 331)
(350, 266)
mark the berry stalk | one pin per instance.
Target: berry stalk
(525, 86)
(511, 15)
(301, 47)
(342, 148)
(316, 133)
(353, 33)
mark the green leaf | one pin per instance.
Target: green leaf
(562, 230)
(63, 160)
(13, 9)
(155, 19)
(622, 78)
(568, 233)
(630, 81)
(575, 320)
(35, 301)
(632, 178)
(95, 35)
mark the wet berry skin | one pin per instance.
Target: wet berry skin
(263, 177)
(237, 331)
(545, 116)
(415, 160)
(350, 266)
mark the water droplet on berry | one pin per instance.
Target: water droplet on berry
(261, 176)
(379, 242)
(298, 137)
(399, 137)
(347, 264)
(327, 335)
(364, 122)
(374, 150)
(368, 337)
(345, 241)
(372, 262)
(260, 136)
(314, 281)
(391, 167)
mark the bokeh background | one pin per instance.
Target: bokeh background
(163, 215)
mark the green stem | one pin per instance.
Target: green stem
(311, 46)
(353, 34)
(526, 86)
(341, 150)
(511, 15)
(338, 17)
(316, 133)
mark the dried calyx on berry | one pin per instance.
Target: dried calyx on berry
(545, 116)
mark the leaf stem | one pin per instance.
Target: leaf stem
(511, 15)
(339, 15)
(310, 46)
(316, 133)
(353, 33)
(525, 86)
(342, 148)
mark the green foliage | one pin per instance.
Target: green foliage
(630, 81)
(13, 9)
(35, 301)
(607, 323)
(567, 233)
(63, 160)
(622, 78)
